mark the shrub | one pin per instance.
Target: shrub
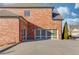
(65, 34)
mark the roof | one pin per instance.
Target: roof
(56, 15)
(8, 5)
(7, 13)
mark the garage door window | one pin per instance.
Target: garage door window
(45, 34)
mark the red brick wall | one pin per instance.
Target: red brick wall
(9, 30)
(40, 17)
(22, 23)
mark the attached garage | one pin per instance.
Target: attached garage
(12, 28)
(9, 30)
(45, 34)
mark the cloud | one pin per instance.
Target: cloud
(76, 5)
(75, 20)
(63, 10)
(73, 14)
(66, 12)
(72, 20)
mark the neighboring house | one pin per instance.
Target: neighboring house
(74, 30)
(22, 22)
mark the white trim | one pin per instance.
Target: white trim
(34, 34)
(57, 35)
(46, 33)
(27, 12)
(40, 33)
(26, 34)
(52, 37)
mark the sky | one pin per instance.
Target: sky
(69, 12)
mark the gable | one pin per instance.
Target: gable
(56, 15)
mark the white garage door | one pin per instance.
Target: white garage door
(45, 34)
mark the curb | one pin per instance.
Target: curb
(4, 49)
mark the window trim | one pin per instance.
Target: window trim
(25, 11)
(24, 31)
(45, 33)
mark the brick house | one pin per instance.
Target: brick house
(74, 30)
(22, 22)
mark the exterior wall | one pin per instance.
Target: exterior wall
(40, 17)
(22, 24)
(74, 32)
(9, 30)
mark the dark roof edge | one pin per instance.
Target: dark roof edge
(27, 7)
(9, 16)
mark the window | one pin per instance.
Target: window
(54, 33)
(45, 34)
(26, 12)
(38, 32)
(23, 34)
(42, 32)
(48, 34)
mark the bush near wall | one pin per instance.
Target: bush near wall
(65, 34)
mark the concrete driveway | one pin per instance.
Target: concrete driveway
(46, 47)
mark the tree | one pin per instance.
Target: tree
(65, 34)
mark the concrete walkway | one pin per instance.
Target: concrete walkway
(6, 47)
(46, 47)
